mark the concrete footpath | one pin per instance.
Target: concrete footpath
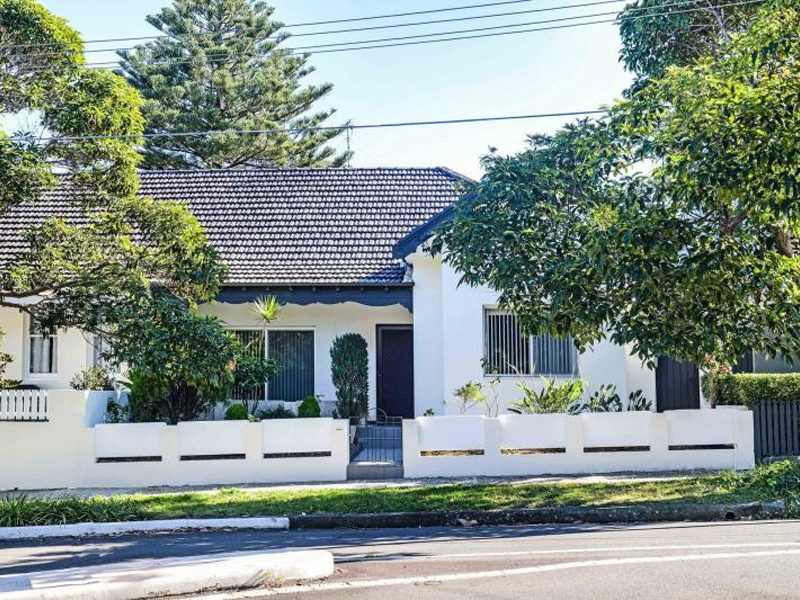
(169, 576)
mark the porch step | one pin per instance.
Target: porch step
(374, 471)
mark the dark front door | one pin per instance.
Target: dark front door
(395, 369)
(677, 385)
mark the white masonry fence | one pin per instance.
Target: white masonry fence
(74, 448)
(570, 444)
(63, 442)
(23, 405)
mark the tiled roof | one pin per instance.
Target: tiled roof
(287, 226)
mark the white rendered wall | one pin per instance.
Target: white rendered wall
(588, 443)
(69, 450)
(448, 345)
(73, 354)
(327, 321)
(429, 353)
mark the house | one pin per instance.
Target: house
(344, 250)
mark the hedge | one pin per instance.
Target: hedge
(752, 388)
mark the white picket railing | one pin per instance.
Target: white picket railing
(23, 405)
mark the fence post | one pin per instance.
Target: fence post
(744, 439)
(410, 448)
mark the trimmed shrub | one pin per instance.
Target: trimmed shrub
(350, 375)
(752, 388)
(309, 408)
(277, 412)
(236, 412)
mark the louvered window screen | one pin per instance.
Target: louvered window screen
(253, 342)
(294, 353)
(508, 352)
(554, 356)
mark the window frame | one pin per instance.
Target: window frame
(313, 331)
(532, 371)
(266, 331)
(28, 348)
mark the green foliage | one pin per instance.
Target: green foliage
(782, 479)
(279, 411)
(146, 392)
(309, 408)
(5, 359)
(428, 412)
(236, 412)
(250, 374)
(604, 399)
(233, 75)
(468, 396)
(674, 35)
(349, 372)
(693, 258)
(116, 412)
(267, 309)
(19, 510)
(637, 402)
(748, 389)
(116, 247)
(554, 397)
(93, 378)
(186, 359)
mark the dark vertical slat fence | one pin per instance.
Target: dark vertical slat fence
(777, 429)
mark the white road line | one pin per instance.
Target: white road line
(589, 550)
(378, 583)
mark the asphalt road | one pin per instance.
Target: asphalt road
(675, 560)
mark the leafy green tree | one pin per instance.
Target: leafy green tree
(183, 362)
(695, 257)
(349, 372)
(221, 67)
(663, 34)
(114, 247)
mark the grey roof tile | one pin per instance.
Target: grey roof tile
(285, 226)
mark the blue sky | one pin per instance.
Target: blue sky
(555, 71)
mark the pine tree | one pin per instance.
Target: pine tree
(219, 67)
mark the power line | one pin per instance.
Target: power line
(344, 127)
(309, 24)
(395, 25)
(220, 57)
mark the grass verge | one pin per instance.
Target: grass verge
(780, 481)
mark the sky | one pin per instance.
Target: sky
(543, 72)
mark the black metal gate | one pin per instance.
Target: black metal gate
(376, 450)
(777, 429)
(677, 385)
(379, 439)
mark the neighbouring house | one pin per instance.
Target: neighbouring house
(344, 250)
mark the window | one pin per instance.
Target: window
(101, 346)
(43, 351)
(507, 351)
(293, 350)
(253, 342)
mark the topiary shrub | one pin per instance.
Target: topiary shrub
(236, 412)
(349, 371)
(309, 408)
(752, 388)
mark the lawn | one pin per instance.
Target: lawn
(778, 481)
